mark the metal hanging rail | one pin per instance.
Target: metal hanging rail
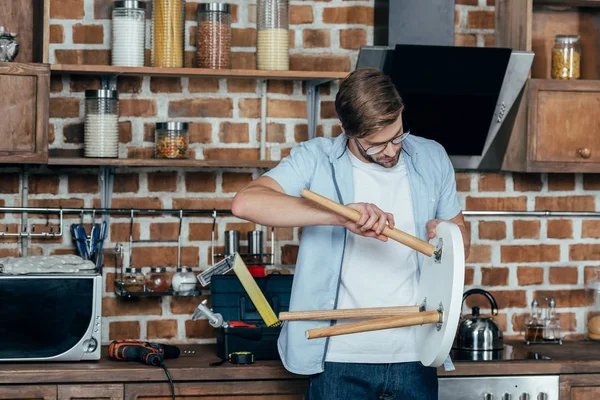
(572, 214)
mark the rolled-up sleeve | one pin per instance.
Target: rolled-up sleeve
(295, 171)
(448, 204)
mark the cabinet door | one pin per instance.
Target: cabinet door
(564, 126)
(27, 392)
(24, 100)
(580, 387)
(90, 392)
(585, 393)
(227, 390)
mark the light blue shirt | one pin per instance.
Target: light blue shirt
(321, 165)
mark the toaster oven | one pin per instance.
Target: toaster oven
(50, 317)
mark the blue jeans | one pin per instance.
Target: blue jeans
(400, 381)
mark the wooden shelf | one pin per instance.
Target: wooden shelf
(195, 72)
(568, 3)
(138, 162)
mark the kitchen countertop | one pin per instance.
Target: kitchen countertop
(570, 358)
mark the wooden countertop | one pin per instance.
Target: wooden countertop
(570, 358)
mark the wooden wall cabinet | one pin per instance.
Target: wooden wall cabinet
(24, 91)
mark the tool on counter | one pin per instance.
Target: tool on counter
(146, 352)
(235, 263)
(440, 289)
(238, 357)
(216, 320)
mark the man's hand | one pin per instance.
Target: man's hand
(430, 226)
(458, 220)
(371, 223)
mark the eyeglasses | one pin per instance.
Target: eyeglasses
(378, 148)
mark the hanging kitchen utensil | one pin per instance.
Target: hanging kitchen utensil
(478, 332)
(440, 289)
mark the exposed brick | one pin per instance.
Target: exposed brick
(231, 154)
(469, 276)
(112, 306)
(527, 182)
(186, 305)
(565, 203)
(328, 110)
(125, 134)
(243, 37)
(491, 183)
(463, 182)
(230, 132)
(563, 275)
(126, 183)
(56, 84)
(83, 183)
(163, 256)
(43, 184)
(119, 232)
(201, 231)
(492, 230)
(301, 15)
(564, 298)
(284, 233)
(162, 181)
(591, 181)
(88, 34)
(210, 203)
(590, 273)
(137, 202)
(64, 107)
(162, 329)
(123, 330)
(353, 39)
(301, 133)
(480, 253)
(234, 182)
(590, 229)
(560, 229)
(249, 108)
(82, 56)
(66, 9)
(280, 87)
(73, 133)
(497, 203)
(494, 276)
(530, 276)
(530, 253)
(289, 254)
(243, 60)
(559, 182)
(200, 132)
(51, 133)
(310, 62)
(465, 39)
(584, 252)
(57, 34)
(480, 19)
(286, 108)
(275, 133)
(467, 2)
(137, 107)
(242, 85)
(203, 85)
(130, 84)
(526, 229)
(218, 107)
(199, 329)
(316, 38)
(64, 203)
(159, 84)
(10, 183)
(348, 15)
(489, 40)
(164, 230)
(504, 298)
(200, 182)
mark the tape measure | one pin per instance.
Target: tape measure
(241, 357)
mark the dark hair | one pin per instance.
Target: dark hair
(367, 102)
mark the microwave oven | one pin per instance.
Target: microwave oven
(50, 317)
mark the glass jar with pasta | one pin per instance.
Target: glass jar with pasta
(168, 33)
(566, 57)
(171, 140)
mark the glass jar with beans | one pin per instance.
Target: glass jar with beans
(213, 36)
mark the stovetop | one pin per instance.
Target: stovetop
(508, 353)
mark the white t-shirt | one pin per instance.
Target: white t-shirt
(376, 273)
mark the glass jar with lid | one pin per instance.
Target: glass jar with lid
(171, 140)
(184, 282)
(133, 280)
(128, 33)
(168, 33)
(158, 280)
(593, 306)
(273, 38)
(213, 36)
(566, 57)
(101, 125)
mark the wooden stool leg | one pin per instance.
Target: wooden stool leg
(350, 313)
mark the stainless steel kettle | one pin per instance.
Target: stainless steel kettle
(476, 332)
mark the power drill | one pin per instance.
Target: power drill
(146, 352)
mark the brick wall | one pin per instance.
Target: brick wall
(516, 258)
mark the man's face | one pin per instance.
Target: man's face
(390, 153)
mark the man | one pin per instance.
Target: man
(374, 165)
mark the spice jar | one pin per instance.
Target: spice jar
(272, 44)
(158, 280)
(171, 140)
(133, 280)
(566, 57)
(184, 282)
(128, 33)
(213, 36)
(168, 33)
(593, 310)
(101, 125)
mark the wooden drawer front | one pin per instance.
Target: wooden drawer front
(585, 393)
(90, 392)
(246, 390)
(28, 392)
(564, 120)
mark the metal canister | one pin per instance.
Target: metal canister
(232, 242)
(255, 242)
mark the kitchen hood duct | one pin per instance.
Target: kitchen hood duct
(465, 98)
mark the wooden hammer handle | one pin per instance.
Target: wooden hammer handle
(349, 313)
(354, 215)
(425, 317)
